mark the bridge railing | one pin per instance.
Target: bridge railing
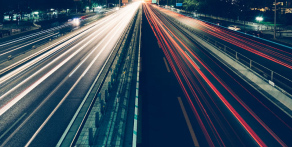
(268, 74)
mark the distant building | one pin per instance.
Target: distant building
(285, 6)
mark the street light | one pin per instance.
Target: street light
(275, 19)
(259, 19)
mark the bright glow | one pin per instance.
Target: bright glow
(36, 13)
(259, 19)
(76, 21)
(117, 8)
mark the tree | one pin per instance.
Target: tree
(190, 5)
(1, 11)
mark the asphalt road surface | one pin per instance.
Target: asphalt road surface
(222, 109)
(38, 99)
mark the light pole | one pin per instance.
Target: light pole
(275, 17)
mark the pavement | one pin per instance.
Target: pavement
(55, 102)
(162, 120)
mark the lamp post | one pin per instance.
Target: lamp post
(275, 17)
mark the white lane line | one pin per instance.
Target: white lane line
(34, 111)
(192, 59)
(194, 138)
(166, 64)
(12, 125)
(79, 79)
(31, 87)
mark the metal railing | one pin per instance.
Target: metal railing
(269, 75)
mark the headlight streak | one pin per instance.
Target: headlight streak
(76, 36)
(120, 24)
(8, 105)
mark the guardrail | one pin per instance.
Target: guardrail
(270, 76)
(134, 142)
(273, 78)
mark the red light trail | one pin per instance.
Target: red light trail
(176, 52)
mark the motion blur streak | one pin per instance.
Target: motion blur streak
(41, 96)
(278, 55)
(148, 15)
(199, 82)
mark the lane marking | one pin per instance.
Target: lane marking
(166, 64)
(196, 143)
(192, 60)
(35, 110)
(12, 126)
(33, 113)
(75, 84)
(7, 106)
(140, 67)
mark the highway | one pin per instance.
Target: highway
(14, 46)
(227, 110)
(273, 56)
(40, 96)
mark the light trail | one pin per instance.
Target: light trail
(168, 41)
(99, 43)
(231, 92)
(12, 102)
(274, 54)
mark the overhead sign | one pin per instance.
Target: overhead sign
(179, 4)
(124, 1)
(153, 1)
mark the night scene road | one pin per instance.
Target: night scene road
(39, 98)
(141, 73)
(228, 111)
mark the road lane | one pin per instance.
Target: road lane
(229, 111)
(54, 83)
